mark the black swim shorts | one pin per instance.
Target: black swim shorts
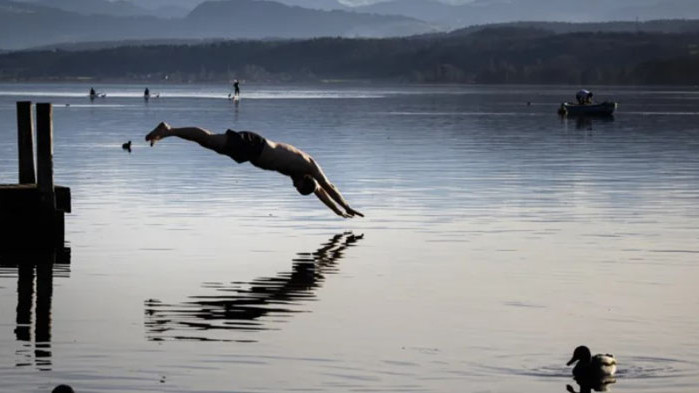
(243, 146)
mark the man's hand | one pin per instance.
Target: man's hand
(351, 212)
(160, 132)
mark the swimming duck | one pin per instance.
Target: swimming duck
(592, 367)
(127, 146)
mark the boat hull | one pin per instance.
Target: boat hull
(602, 109)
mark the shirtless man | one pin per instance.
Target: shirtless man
(263, 153)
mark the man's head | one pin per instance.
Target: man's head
(305, 184)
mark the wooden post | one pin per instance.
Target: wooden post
(44, 153)
(25, 142)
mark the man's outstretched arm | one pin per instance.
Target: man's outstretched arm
(323, 196)
(331, 190)
(203, 137)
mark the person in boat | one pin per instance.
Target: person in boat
(236, 88)
(584, 97)
(242, 146)
(146, 94)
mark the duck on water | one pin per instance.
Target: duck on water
(588, 366)
(592, 372)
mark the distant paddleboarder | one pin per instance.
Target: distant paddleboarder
(236, 90)
(306, 175)
(94, 94)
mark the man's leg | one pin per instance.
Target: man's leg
(203, 137)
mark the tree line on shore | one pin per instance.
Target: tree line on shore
(506, 54)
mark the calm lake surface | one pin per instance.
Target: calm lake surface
(497, 238)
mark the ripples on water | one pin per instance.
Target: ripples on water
(498, 237)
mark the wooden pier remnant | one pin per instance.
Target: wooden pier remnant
(32, 212)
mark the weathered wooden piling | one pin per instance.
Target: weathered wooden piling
(25, 143)
(32, 212)
(44, 154)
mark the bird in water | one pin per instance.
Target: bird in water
(592, 372)
(127, 146)
(63, 389)
(592, 367)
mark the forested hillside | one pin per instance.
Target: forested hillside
(493, 55)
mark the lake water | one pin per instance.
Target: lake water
(497, 238)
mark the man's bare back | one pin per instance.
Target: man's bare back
(263, 153)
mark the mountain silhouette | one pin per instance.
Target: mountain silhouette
(24, 25)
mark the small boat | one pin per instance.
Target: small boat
(602, 109)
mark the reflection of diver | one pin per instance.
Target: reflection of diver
(234, 308)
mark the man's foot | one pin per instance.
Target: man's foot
(160, 132)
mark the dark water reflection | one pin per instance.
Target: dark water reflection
(234, 307)
(35, 272)
(587, 386)
(588, 123)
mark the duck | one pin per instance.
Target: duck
(127, 146)
(588, 367)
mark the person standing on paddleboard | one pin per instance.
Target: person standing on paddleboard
(236, 89)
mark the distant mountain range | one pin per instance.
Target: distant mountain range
(28, 24)
(498, 11)
(651, 26)
(117, 7)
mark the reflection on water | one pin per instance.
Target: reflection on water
(601, 385)
(588, 122)
(237, 308)
(589, 385)
(35, 272)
